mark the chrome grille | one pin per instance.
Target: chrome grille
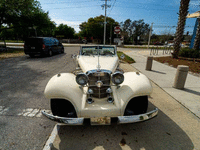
(104, 77)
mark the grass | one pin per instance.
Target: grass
(12, 52)
(12, 41)
(126, 58)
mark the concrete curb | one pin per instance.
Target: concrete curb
(52, 137)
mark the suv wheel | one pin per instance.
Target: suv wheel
(50, 53)
(62, 50)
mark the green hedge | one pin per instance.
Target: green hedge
(190, 53)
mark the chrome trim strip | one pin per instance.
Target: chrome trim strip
(68, 121)
(138, 118)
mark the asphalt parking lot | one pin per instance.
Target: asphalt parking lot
(22, 82)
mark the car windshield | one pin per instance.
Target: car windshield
(98, 50)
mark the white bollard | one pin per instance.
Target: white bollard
(180, 78)
(149, 63)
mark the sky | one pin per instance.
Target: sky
(162, 13)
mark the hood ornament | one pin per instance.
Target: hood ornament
(98, 66)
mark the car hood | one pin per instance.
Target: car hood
(91, 62)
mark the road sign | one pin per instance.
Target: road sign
(117, 30)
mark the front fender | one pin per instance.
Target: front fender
(134, 85)
(64, 86)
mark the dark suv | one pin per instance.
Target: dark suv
(42, 46)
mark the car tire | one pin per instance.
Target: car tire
(31, 55)
(62, 50)
(62, 108)
(136, 106)
(50, 53)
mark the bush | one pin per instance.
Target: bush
(126, 58)
(190, 53)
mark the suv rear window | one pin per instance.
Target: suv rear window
(34, 41)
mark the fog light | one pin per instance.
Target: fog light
(109, 90)
(90, 100)
(110, 99)
(90, 91)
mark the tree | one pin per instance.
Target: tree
(23, 15)
(197, 38)
(66, 31)
(155, 38)
(127, 30)
(94, 27)
(183, 11)
(140, 28)
(134, 29)
(14, 11)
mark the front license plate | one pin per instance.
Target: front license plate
(100, 121)
(32, 47)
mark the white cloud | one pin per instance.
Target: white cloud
(195, 4)
(73, 24)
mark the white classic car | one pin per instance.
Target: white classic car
(99, 91)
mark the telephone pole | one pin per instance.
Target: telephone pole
(110, 33)
(105, 6)
(150, 34)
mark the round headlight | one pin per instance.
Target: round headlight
(117, 78)
(82, 79)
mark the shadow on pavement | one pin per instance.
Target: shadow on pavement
(158, 133)
(158, 72)
(55, 56)
(191, 91)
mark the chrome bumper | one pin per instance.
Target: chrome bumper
(69, 121)
(138, 118)
(121, 119)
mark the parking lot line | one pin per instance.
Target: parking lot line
(28, 112)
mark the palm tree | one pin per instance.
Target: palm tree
(197, 38)
(183, 10)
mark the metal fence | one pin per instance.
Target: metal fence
(166, 50)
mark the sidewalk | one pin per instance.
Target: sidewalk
(163, 75)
